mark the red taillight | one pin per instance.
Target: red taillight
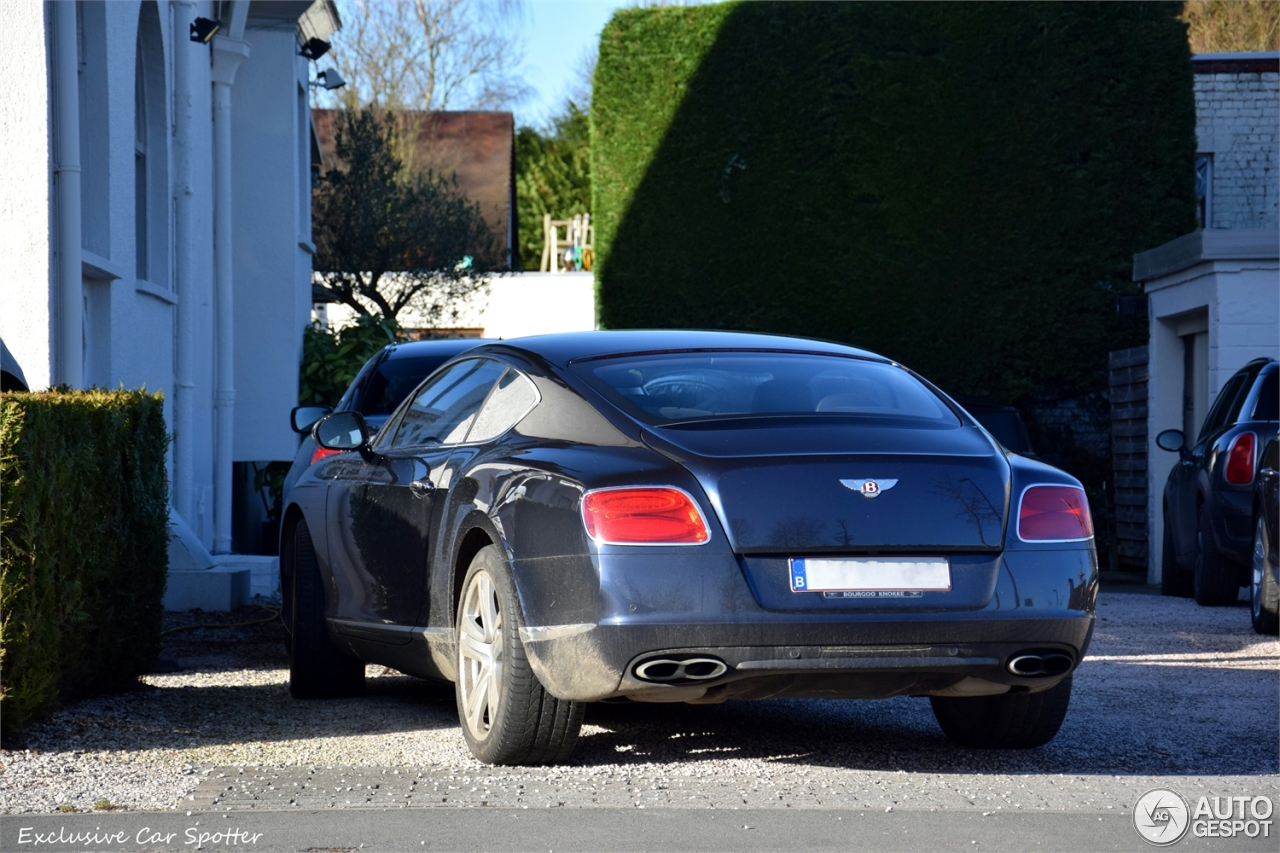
(321, 453)
(643, 517)
(1240, 459)
(1050, 513)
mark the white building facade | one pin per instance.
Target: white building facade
(155, 225)
(1215, 293)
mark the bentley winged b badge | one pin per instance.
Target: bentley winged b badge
(869, 488)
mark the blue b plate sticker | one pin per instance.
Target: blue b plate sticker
(871, 577)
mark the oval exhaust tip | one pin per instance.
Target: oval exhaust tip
(671, 670)
(1033, 665)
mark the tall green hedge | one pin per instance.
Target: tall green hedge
(83, 545)
(960, 186)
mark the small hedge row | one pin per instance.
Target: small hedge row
(959, 186)
(83, 545)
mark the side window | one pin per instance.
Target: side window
(514, 397)
(1221, 412)
(443, 409)
(1268, 405)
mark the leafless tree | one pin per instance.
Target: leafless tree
(429, 54)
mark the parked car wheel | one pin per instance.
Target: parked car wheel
(318, 669)
(1007, 721)
(507, 716)
(1217, 582)
(1174, 580)
(1264, 597)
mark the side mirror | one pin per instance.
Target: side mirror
(342, 431)
(1171, 440)
(303, 418)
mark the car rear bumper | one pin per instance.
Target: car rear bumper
(862, 659)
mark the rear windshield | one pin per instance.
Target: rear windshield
(670, 388)
(394, 379)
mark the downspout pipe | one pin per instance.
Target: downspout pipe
(228, 53)
(184, 238)
(70, 349)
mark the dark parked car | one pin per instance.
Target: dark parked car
(384, 381)
(687, 517)
(1264, 582)
(1208, 498)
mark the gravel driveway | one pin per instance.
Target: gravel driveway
(1172, 694)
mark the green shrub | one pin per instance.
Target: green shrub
(83, 545)
(332, 358)
(959, 186)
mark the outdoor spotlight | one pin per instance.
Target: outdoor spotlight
(314, 49)
(329, 79)
(203, 29)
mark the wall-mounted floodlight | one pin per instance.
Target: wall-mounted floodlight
(314, 49)
(204, 29)
(329, 79)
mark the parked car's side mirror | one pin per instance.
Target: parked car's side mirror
(343, 431)
(1171, 440)
(303, 418)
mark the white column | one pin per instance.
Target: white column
(228, 54)
(70, 335)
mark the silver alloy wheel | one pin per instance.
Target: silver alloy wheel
(480, 654)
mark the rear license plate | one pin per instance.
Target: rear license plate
(871, 574)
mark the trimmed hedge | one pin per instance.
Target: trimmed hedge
(83, 545)
(959, 186)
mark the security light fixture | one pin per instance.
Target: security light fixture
(314, 49)
(329, 79)
(204, 29)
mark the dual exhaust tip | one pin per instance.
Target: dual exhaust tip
(1040, 664)
(687, 670)
(680, 670)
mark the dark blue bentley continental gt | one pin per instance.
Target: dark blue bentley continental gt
(687, 517)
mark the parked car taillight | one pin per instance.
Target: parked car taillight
(649, 516)
(1054, 513)
(321, 453)
(1240, 459)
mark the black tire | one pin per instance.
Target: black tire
(1007, 721)
(1217, 582)
(524, 724)
(1264, 596)
(1174, 580)
(318, 669)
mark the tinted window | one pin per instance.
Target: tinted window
(1268, 406)
(674, 387)
(1225, 407)
(393, 380)
(443, 409)
(1271, 456)
(509, 402)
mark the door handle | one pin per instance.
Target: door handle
(421, 488)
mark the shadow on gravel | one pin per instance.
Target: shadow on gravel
(1125, 719)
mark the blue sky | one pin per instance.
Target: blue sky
(558, 35)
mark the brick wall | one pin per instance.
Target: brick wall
(1238, 121)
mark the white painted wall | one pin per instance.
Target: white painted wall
(27, 295)
(130, 327)
(516, 305)
(272, 269)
